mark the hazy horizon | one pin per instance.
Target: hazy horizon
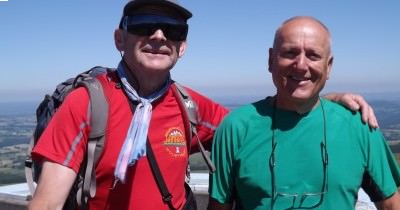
(20, 106)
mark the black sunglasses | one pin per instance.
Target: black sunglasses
(173, 32)
(305, 200)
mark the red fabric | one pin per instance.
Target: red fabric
(66, 137)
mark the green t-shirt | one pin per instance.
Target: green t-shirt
(357, 157)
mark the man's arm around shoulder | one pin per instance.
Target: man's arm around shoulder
(391, 203)
(53, 187)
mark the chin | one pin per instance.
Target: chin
(158, 67)
(304, 97)
(301, 95)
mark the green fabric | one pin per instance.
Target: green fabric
(242, 150)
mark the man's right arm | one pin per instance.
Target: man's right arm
(215, 205)
(53, 187)
(391, 203)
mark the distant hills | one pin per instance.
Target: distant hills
(388, 113)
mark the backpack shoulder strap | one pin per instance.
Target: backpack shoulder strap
(98, 107)
(166, 195)
(189, 105)
(98, 121)
(190, 112)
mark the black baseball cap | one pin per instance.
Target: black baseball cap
(133, 5)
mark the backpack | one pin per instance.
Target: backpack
(85, 183)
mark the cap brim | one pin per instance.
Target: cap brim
(131, 6)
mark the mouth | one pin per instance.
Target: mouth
(298, 79)
(156, 51)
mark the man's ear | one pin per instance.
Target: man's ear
(330, 64)
(119, 40)
(182, 48)
(270, 56)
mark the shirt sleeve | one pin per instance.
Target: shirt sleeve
(65, 138)
(382, 176)
(221, 182)
(210, 115)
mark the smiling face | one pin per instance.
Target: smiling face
(149, 54)
(300, 62)
(154, 53)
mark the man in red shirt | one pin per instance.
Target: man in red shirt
(142, 105)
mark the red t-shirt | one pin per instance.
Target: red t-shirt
(65, 139)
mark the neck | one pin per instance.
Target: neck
(299, 106)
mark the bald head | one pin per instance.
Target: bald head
(306, 24)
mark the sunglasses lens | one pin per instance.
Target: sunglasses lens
(171, 31)
(140, 29)
(176, 32)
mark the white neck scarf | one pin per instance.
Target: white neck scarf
(134, 146)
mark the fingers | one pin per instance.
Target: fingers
(356, 103)
(367, 112)
(352, 101)
(372, 120)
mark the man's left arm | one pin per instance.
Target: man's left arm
(391, 203)
(355, 102)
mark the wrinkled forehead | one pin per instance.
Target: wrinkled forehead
(303, 30)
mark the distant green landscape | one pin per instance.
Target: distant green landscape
(16, 129)
(12, 163)
(15, 132)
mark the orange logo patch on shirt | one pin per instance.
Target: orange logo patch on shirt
(175, 142)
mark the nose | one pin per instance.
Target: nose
(158, 35)
(301, 62)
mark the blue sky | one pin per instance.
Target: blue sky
(43, 42)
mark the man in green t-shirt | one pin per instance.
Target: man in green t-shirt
(296, 150)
